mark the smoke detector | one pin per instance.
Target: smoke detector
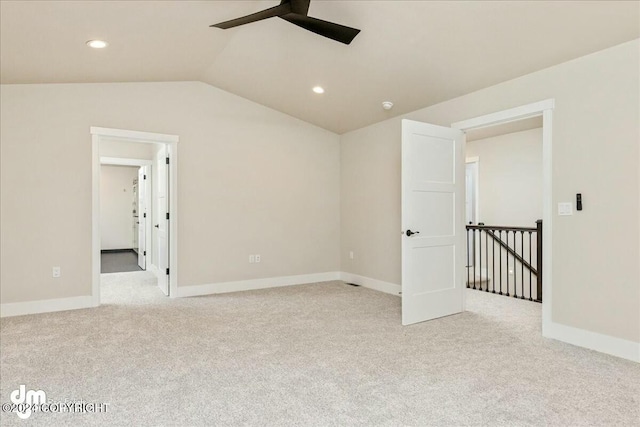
(387, 105)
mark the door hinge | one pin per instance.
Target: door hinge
(167, 215)
(167, 271)
(144, 215)
(167, 160)
(144, 176)
(144, 253)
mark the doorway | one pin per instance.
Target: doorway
(125, 213)
(156, 232)
(439, 144)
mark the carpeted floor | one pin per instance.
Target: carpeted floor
(311, 355)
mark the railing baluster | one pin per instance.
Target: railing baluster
(500, 264)
(474, 259)
(515, 273)
(530, 272)
(507, 241)
(522, 265)
(480, 259)
(469, 265)
(493, 264)
(486, 266)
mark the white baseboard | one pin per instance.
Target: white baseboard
(248, 285)
(375, 284)
(594, 341)
(45, 306)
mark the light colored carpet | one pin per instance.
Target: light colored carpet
(318, 355)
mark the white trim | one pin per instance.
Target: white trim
(249, 285)
(594, 341)
(95, 219)
(117, 161)
(133, 135)
(476, 182)
(368, 282)
(544, 108)
(172, 151)
(45, 306)
(98, 134)
(506, 116)
(547, 216)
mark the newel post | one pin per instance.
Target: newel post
(539, 260)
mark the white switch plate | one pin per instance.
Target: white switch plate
(252, 259)
(565, 208)
(257, 258)
(350, 254)
(56, 272)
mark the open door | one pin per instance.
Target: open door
(433, 207)
(142, 218)
(162, 226)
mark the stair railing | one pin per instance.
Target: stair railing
(502, 251)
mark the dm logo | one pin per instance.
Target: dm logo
(27, 399)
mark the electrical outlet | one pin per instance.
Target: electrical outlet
(258, 258)
(350, 254)
(56, 272)
(252, 259)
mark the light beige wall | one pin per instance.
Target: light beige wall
(116, 206)
(251, 180)
(509, 178)
(596, 281)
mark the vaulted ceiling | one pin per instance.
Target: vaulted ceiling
(413, 53)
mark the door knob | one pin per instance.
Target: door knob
(157, 226)
(410, 233)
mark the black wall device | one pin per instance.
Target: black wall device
(579, 201)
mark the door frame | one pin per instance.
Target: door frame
(476, 204)
(476, 185)
(118, 161)
(545, 109)
(171, 141)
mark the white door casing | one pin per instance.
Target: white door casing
(162, 223)
(471, 207)
(142, 221)
(99, 134)
(433, 259)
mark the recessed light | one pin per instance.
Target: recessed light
(318, 89)
(97, 44)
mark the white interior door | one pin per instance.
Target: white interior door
(433, 208)
(162, 226)
(143, 214)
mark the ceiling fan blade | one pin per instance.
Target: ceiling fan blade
(281, 9)
(301, 7)
(328, 29)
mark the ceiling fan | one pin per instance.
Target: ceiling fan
(296, 12)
